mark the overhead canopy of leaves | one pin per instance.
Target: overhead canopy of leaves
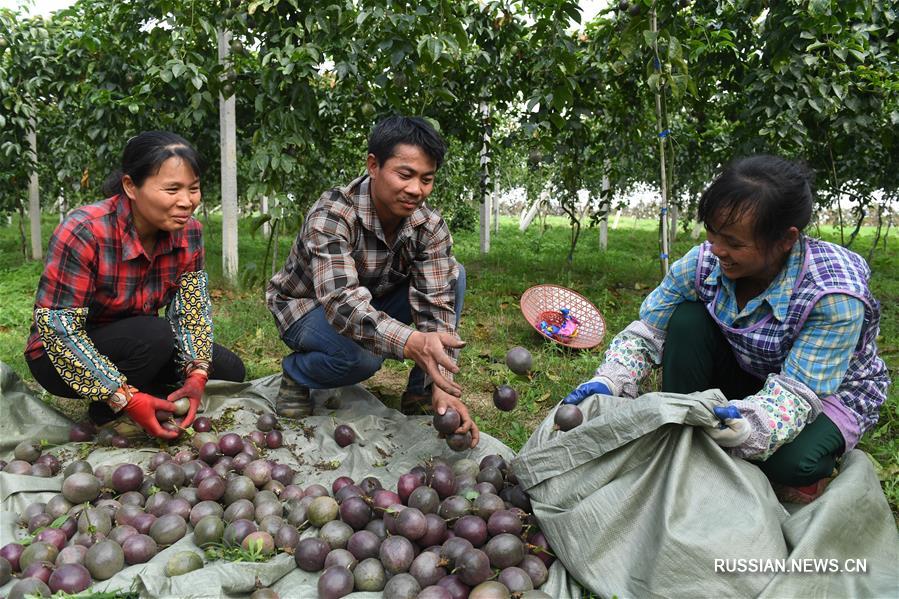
(809, 79)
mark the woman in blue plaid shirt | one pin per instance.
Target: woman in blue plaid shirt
(784, 324)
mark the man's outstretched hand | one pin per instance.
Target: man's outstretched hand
(441, 400)
(429, 351)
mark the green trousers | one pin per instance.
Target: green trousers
(697, 357)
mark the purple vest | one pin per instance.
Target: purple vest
(762, 348)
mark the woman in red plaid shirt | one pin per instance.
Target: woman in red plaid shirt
(111, 266)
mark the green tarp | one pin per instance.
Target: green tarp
(388, 445)
(639, 502)
(635, 503)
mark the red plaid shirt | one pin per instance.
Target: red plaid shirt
(98, 272)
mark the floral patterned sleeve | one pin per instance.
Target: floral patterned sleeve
(638, 348)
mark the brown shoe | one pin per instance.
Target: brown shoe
(293, 400)
(413, 404)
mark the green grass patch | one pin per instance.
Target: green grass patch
(616, 281)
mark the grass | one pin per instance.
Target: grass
(616, 281)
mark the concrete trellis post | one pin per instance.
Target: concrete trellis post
(484, 110)
(34, 199)
(228, 133)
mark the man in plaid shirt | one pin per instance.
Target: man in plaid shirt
(370, 260)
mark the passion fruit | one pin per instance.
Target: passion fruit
(428, 568)
(567, 417)
(310, 554)
(473, 567)
(505, 550)
(340, 557)
(139, 549)
(82, 432)
(396, 554)
(336, 534)
(402, 586)
(490, 589)
(28, 587)
(18, 467)
(447, 422)
(12, 552)
(81, 487)
(364, 544)
(28, 451)
(237, 531)
(459, 442)
(36, 553)
(182, 406)
(182, 563)
(127, 477)
(505, 398)
(104, 559)
(335, 582)
(344, 435)
(322, 510)
(260, 542)
(169, 476)
(208, 530)
(73, 554)
(519, 360)
(369, 575)
(356, 512)
(94, 520)
(168, 529)
(266, 422)
(203, 509)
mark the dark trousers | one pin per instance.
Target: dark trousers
(697, 357)
(143, 349)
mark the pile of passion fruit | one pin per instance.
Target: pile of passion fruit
(448, 529)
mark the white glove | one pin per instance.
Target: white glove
(733, 430)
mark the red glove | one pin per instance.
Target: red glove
(142, 409)
(193, 390)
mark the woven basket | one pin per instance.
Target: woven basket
(543, 302)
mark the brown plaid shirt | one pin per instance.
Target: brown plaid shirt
(341, 260)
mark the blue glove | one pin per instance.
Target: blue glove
(585, 390)
(732, 430)
(722, 413)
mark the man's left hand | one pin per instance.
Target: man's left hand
(428, 350)
(193, 390)
(441, 400)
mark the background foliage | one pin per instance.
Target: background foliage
(570, 102)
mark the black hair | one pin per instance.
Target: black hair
(144, 154)
(777, 191)
(411, 130)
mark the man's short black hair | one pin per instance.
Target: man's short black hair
(409, 130)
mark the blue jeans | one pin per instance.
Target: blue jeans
(325, 359)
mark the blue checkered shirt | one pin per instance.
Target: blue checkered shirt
(821, 354)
